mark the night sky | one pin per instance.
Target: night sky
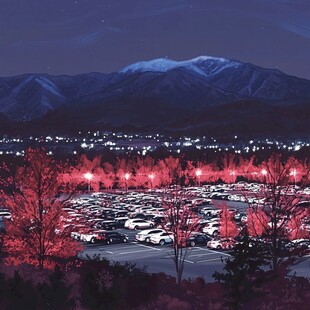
(77, 36)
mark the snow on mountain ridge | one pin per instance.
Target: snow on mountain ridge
(48, 86)
(196, 64)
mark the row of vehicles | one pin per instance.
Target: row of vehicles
(102, 216)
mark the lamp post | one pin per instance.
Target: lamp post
(127, 176)
(264, 173)
(233, 174)
(151, 177)
(198, 175)
(294, 173)
(88, 176)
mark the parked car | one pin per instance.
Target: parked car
(116, 214)
(210, 211)
(158, 220)
(101, 236)
(145, 235)
(106, 225)
(212, 229)
(162, 238)
(197, 239)
(79, 230)
(221, 244)
(120, 222)
(5, 215)
(140, 224)
(136, 215)
(115, 237)
(302, 245)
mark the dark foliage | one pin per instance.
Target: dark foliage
(19, 293)
(244, 274)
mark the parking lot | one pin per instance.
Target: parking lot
(199, 260)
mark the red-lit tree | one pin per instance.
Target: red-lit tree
(257, 222)
(89, 171)
(34, 194)
(228, 227)
(124, 174)
(171, 170)
(295, 226)
(229, 171)
(280, 202)
(145, 170)
(108, 176)
(246, 167)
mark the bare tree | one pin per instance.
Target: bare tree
(182, 222)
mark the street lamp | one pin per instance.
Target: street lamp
(264, 173)
(294, 173)
(88, 176)
(198, 175)
(151, 177)
(233, 174)
(127, 176)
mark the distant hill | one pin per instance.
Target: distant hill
(203, 95)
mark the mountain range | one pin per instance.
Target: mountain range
(203, 95)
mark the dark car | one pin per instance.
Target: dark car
(299, 247)
(106, 225)
(116, 214)
(137, 216)
(198, 239)
(158, 220)
(111, 237)
(120, 222)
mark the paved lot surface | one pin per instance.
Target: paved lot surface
(199, 261)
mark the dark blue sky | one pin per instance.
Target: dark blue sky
(77, 36)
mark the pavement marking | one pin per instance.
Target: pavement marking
(149, 247)
(222, 253)
(203, 254)
(188, 261)
(208, 260)
(107, 251)
(204, 249)
(123, 253)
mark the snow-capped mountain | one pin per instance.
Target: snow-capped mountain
(160, 93)
(204, 65)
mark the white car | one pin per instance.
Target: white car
(212, 229)
(140, 224)
(5, 215)
(210, 211)
(91, 236)
(129, 221)
(145, 235)
(162, 238)
(223, 244)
